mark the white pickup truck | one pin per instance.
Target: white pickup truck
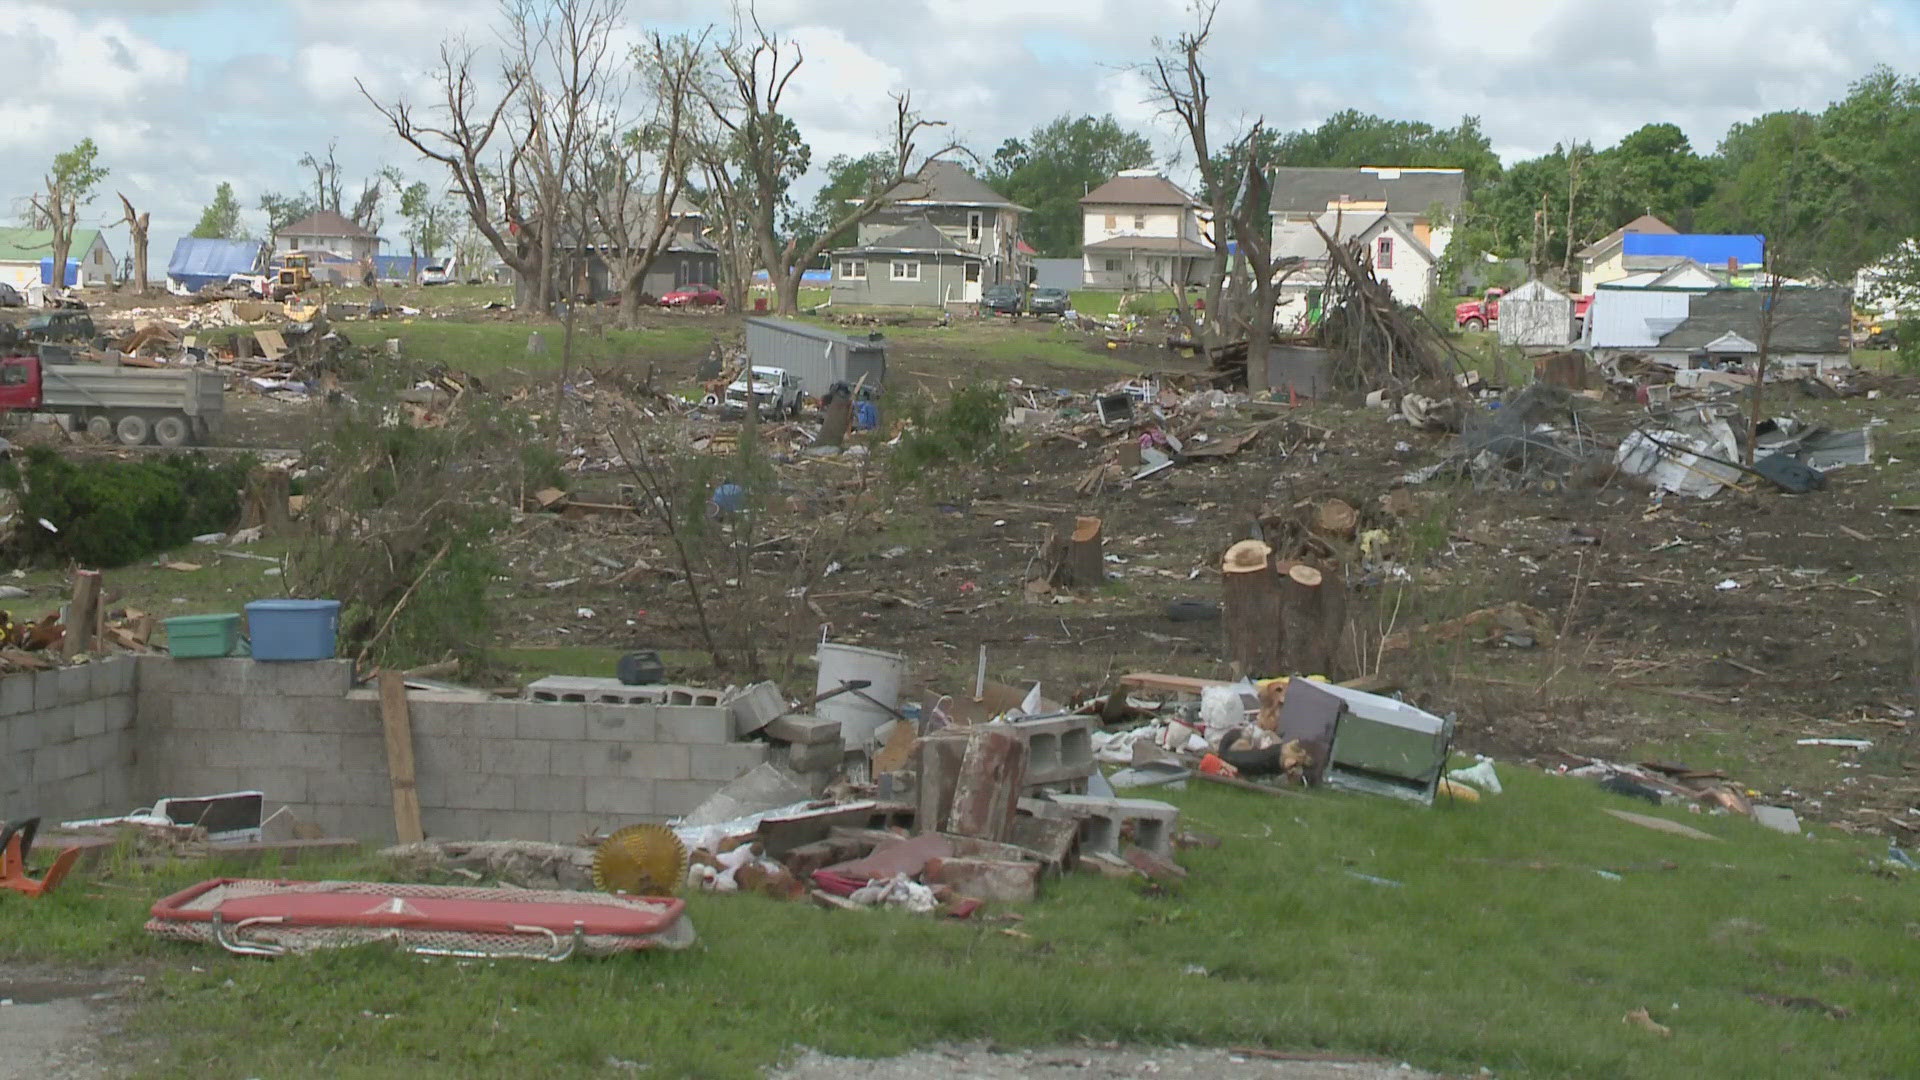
(779, 392)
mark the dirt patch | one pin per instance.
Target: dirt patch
(59, 1021)
(1172, 1063)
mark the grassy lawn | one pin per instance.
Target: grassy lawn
(1502, 944)
(1101, 303)
(493, 347)
(222, 584)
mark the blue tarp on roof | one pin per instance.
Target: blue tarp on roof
(197, 263)
(400, 267)
(1707, 249)
(807, 277)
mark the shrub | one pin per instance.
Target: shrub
(965, 428)
(110, 513)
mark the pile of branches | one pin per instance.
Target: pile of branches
(1375, 341)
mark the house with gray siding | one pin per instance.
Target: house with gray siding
(916, 266)
(963, 235)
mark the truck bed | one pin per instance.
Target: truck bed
(110, 387)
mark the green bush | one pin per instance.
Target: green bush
(966, 427)
(110, 513)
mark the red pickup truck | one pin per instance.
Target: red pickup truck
(1480, 314)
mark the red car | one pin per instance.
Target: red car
(693, 296)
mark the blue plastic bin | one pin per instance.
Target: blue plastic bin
(293, 629)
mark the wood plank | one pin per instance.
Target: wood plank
(399, 729)
(1173, 684)
(82, 617)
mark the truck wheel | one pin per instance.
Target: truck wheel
(100, 428)
(172, 431)
(1475, 324)
(131, 429)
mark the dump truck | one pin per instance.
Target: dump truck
(128, 405)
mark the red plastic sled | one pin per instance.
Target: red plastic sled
(271, 918)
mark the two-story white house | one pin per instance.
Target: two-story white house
(941, 236)
(1402, 218)
(1139, 230)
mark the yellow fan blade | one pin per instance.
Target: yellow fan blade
(641, 860)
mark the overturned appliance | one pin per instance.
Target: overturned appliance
(1367, 743)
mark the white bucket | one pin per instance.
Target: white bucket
(858, 717)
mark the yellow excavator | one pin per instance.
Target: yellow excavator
(296, 275)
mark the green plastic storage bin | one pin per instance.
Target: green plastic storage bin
(199, 636)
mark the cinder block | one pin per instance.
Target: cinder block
(549, 793)
(676, 798)
(281, 785)
(119, 710)
(516, 757)
(1103, 819)
(90, 718)
(447, 754)
(204, 780)
(349, 788)
(109, 677)
(467, 791)
(619, 797)
(46, 690)
(480, 719)
(565, 827)
(807, 758)
(543, 720)
(363, 753)
(299, 678)
(16, 694)
(372, 822)
(86, 796)
(207, 712)
(517, 825)
(698, 724)
(52, 725)
(645, 761)
(153, 711)
(622, 723)
(804, 730)
(724, 763)
(74, 684)
(220, 675)
(358, 711)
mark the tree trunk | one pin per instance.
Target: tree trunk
(789, 286)
(140, 258)
(630, 293)
(1085, 566)
(62, 241)
(1250, 613)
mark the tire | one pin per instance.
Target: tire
(101, 428)
(1474, 324)
(172, 431)
(132, 429)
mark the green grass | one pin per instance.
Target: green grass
(485, 348)
(985, 340)
(1101, 303)
(1502, 946)
(223, 584)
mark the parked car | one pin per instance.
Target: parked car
(1004, 299)
(779, 392)
(436, 274)
(1049, 302)
(60, 325)
(693, 296)
(10, 296)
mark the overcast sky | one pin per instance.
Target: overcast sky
(181, 94)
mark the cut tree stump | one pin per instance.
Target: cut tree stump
(1084, 566)
(267, 506)
(1335, 518)
(1250, 611)
(83, 614)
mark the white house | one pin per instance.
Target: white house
(327, 231)
(1139, 230)
(1403, 215)
(1401, 259)
(1681, 328)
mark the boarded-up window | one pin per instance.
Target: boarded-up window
(1113, 222)
(853, 269)
(1384, 259)
(1139, 221)
(906, 270)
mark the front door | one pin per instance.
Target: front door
(971, 294)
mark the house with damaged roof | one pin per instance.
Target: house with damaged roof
(1401, 217)
(1140, 230)
(1722, 328)
(939, 237)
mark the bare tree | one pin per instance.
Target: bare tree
(636, 174)
(458, 132)
(1253, 227)
(326, 178)
(758, 67)
(137, 236)
(729, 215)
(1177, 82)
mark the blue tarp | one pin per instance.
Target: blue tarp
(807, 277)
(73, 272)
(400, 267)
(1707, 249)
(197, 263)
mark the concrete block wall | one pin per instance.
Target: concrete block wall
(67, 741)
(484, 768)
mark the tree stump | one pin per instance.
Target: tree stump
(1335, 519)
(1313, 611)
(266, 500)
(1250, 610)
(1084, 566)
(836, 419)
(82, 614)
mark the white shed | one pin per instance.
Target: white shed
(1536, 315)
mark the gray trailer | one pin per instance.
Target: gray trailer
(818, 357)
(168, 406)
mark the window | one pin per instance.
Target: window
(853, 269)
(973, 273)
(1113, 266)
(1384, 260)
(906, 270)
(973, 226)
(1112, 222)
(13, 375)
(1139, 221)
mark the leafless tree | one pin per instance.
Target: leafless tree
(137, 236)
(1252, 226)
(326, 178)
(1177, 82)
(636, 173)
(459, 132)
(758, 65)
